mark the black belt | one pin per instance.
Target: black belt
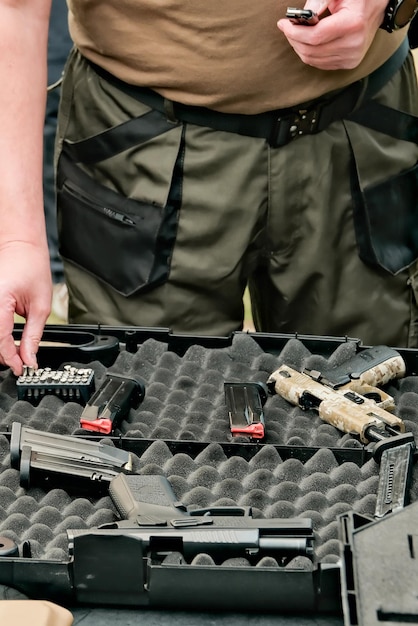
(277, 127)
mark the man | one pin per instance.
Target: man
(166, 211)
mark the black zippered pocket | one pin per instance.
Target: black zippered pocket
(119, 240)
(386, 221)
(79, 195)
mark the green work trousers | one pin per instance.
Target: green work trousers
(185, 217)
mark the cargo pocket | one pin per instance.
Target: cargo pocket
(386, 220)
(123, 242)
(385, 213)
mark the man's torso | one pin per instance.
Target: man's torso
(226, 55)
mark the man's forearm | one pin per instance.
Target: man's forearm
(23, 72)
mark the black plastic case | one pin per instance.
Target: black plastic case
(100, 571)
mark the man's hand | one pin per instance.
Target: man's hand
(25, 275)
(341, 38)
(25, 289)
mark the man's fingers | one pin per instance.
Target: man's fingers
(317, 6)
(31, 337)
(9, 355)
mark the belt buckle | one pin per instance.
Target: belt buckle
(289, 127)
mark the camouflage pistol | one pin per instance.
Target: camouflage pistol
(348, 398)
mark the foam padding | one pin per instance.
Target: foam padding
(184, 402)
